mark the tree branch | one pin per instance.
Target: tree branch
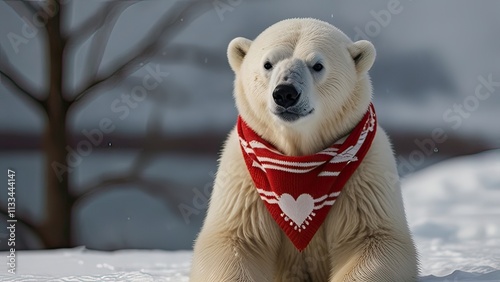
(100, 41)
(30, 5)
(22, 8)
(169, 24)
(196, 55)
(156, 189)
(97, 21)
(17, 81)
(153, 134)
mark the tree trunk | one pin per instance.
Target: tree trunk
(56, 226)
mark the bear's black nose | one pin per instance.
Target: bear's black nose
(285, 95)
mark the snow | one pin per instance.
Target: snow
(80, 264)
(452, 209)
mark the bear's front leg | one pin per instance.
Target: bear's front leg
(239, 243)
(378, 257)
(221, 258)
(239, 240)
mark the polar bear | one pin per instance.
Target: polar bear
(301, 86)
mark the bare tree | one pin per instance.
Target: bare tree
(58, 102)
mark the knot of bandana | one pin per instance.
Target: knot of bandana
(298, 191)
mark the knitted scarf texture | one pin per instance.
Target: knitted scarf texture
(298, 191)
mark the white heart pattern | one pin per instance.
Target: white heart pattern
(297, 210)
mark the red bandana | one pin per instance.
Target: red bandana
(299, 191)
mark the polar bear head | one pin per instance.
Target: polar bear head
(301, 84)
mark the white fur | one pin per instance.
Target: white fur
(365, 236)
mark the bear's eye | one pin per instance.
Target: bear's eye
(318, 67)
(268, 66)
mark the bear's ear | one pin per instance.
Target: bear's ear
(236, 52)
(363, 54)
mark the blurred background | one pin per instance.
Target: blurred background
(112, 113)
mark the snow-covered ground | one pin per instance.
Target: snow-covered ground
(453, 209)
